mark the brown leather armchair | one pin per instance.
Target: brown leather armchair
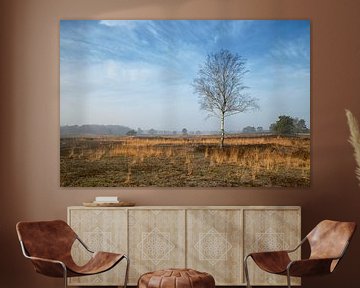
(328, 242)
(48, 245)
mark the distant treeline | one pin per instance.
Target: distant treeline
(119, 130)
(81, 130)
(285, 125)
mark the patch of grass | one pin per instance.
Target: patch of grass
(195, 161)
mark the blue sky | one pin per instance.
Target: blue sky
(138, 73)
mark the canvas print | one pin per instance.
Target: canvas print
(185, 103)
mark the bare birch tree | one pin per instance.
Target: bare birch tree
(220, 86)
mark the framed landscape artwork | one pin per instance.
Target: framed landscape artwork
(185, 103)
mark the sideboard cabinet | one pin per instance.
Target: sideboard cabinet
(212, 239)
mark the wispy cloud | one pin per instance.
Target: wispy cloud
(128, 24)
(292, 51)
(139, 72)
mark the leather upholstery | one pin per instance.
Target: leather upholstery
(328, 241)
(272, 262)
(53, 240)
(176, 278)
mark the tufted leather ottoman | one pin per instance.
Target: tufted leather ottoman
(176, 278)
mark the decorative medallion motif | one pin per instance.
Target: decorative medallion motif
(213, 246)
(156, 246)
(269, 241)
(98, 240)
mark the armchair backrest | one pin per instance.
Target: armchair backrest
(46, 239)
(329, 239)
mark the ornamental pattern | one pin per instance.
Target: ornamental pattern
(213, 246)
(156, 246)
(269, 241)
(99, 240)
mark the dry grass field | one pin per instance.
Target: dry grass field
(191, 161)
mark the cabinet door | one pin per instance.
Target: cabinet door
(156, 240)
(214, 244)
(101, 230)
(270, 230)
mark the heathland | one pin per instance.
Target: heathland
(185, 161)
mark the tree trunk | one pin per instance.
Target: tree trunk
(222, 130)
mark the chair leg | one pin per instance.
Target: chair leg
(127, 271)
(246, 272)
(65, 275)
(288, 278)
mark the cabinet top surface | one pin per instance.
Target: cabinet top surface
(192, 207)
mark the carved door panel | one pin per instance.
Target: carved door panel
(101, 230)
(156, 239)
(214, 244)
(269, 230)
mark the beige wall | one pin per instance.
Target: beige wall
(29, 118)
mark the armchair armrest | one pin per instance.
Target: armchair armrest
(279, 252)
(298, 246)
(84, 245)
